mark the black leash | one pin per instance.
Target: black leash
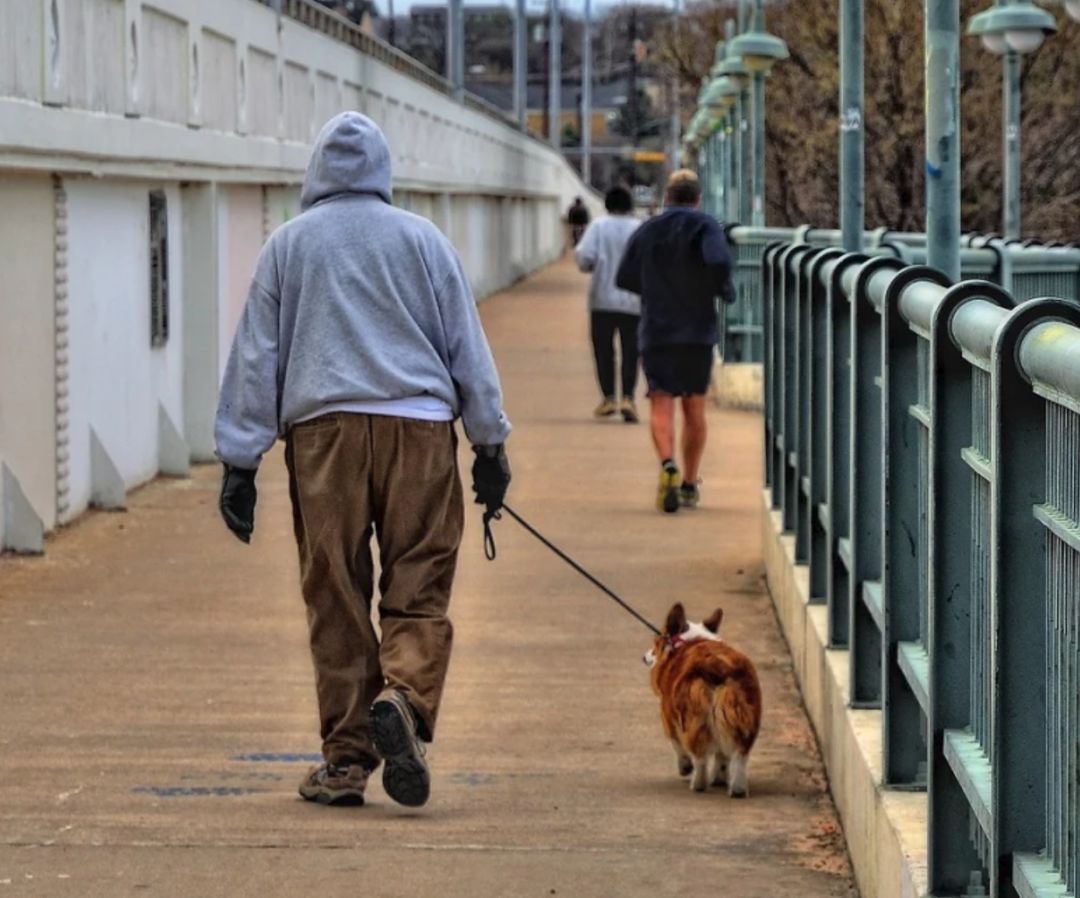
(489, 552)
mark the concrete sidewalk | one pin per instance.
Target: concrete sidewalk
(158, 705)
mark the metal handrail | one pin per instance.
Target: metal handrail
(922, 442)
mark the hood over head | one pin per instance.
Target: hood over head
(350, 156)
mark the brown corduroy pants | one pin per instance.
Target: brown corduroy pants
(352, 475)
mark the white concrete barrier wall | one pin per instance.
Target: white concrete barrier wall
(102, 101)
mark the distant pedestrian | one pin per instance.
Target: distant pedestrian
(360, 344)
(679, 263)
(577, 216)
(611, 310)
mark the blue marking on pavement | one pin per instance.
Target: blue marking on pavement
(194, 791)
(226, 775)
(473, 779)
(932, 170)
(278, 758)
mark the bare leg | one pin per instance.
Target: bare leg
(693, 438)
(682, 759)
(662, 422)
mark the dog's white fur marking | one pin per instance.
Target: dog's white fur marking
(720, 770)
(683, 763)
(695, 632)
(700, 777)
(739, 780)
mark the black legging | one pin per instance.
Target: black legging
(604, 326)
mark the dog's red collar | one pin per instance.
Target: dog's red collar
(675, 643)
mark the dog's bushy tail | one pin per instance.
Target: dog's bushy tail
(736, 699)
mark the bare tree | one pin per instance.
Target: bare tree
(802, 123)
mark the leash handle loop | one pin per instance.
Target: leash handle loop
(489, 535)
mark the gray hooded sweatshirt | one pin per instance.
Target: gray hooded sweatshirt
(354, 301)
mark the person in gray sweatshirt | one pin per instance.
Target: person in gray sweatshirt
(611, 310)
(360, 345)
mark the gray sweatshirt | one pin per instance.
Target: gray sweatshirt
(354, 301)
(600, 251)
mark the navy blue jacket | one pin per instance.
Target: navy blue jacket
(678, 262)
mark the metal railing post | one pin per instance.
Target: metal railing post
(1019, 594)
(865, 499)
(838, 487)
(905, 539)
(788, 457)
(817, 523)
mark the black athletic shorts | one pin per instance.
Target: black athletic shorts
(682, 369)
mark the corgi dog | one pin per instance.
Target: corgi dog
(710, 701)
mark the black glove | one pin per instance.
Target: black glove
(237, 503)
(491, 476)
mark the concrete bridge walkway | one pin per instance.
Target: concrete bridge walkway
(158, 707)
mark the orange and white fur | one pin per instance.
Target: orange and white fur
(710, 701)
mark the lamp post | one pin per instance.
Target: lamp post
(852, 140)
(586, 96)
(554, 75)
(455, 47)
(719, 98)
(673, 141)
(759, 52)
(1011, 29)
(735, 69)
(521, 65)
(942, 54)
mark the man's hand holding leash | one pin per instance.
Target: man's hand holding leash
(237, 502)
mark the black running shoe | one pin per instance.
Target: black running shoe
(406, 777)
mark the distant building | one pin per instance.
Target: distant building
(613, 148)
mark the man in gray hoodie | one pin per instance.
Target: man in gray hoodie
(359, 345)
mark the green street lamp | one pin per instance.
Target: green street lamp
(720, 95)
(733, 68)
(717, 97)
(757, 51)
(1072, 7)
(1011, 29)
(1020, 27)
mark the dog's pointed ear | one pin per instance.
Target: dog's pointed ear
(676, 620)
(712, 623)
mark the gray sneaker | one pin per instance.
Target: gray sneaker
(333, 784)
(406, 777)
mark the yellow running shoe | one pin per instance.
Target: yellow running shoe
(667, 494)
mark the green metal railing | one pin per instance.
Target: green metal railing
(923, 444)
(1027, 270)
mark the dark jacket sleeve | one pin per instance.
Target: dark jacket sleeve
(628, 276)
(716, 255)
